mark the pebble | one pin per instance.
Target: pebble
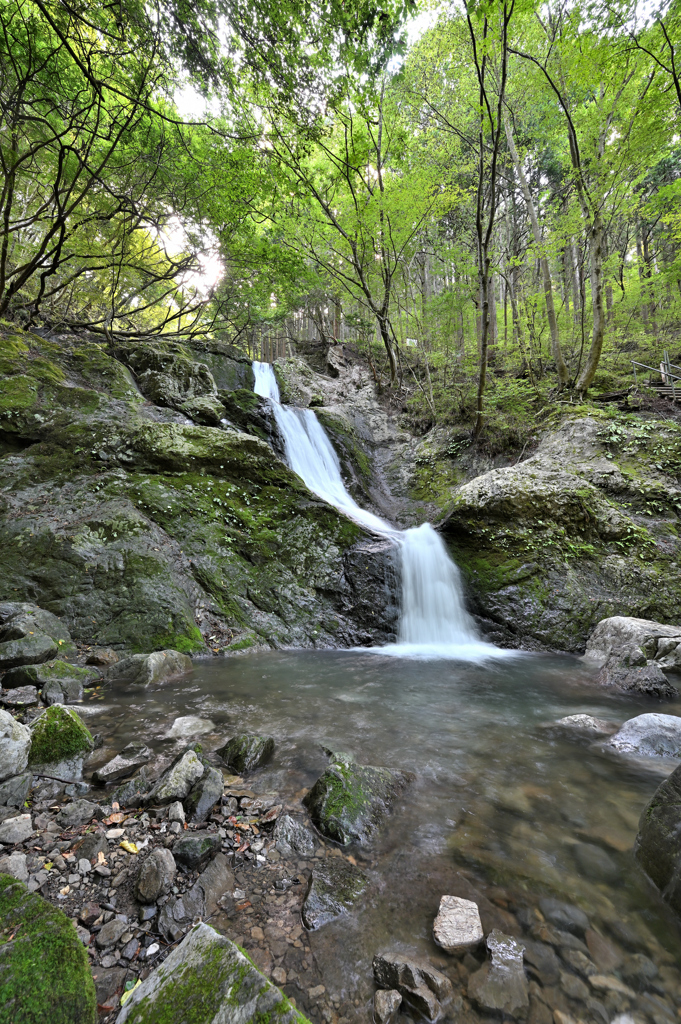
(115, 833)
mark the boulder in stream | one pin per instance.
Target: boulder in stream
(457, 927)
(650, 735)
(335, 887)
(500, 985)
(634, 653)
(131, 757)
(246, 752)
(658, 843)
(350, 801)
(583, 727)
(145, 669)
(423, 987)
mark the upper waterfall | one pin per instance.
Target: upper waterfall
(433, 620)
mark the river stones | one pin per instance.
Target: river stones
(204, 795)
(500, 984)
(426, 989)
(78, 812)
(387, 1004)
(658, 843)
(44, 970)
(176, 783)
(156, 876)
(335, 886)
(595, 863)
(246, 752)
(20, 697)
(207, 978)
(650, 735)
(564, 915)
(58, 736)
(132, 757)
(15, 744)
(584, 727)
(180, 912)
(145, 669)
(350, 801)
(16, 830)
(457, 927)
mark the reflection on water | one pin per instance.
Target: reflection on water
(499, 802)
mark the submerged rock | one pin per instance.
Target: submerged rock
(387, 1004)
(564, 915)
(207, 978)
(650, 735)
(595, 863)
(501, 985)
(584, 726)
(335, 886)
(457, 927)
(658, 843)
(145, 669)
(15, 744)
(246, 752)
(44, 969)
(426, 989)
(350, 802)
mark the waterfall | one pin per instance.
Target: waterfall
(433, 620)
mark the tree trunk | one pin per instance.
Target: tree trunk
(595, 233)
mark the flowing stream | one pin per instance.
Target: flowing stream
(433, 620)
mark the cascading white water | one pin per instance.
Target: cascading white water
(433, 620)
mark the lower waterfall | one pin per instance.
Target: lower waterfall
(433, 620)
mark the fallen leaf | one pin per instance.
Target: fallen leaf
(352, 860)
(114, 819)
(101, 859)
(242, 906)
(273, 813)
(126, 995)
(129, 847)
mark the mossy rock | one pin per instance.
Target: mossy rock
(58, 671)
(44, 971)
(349, 802)
(247, 752)
(335, 886)
(58, 735)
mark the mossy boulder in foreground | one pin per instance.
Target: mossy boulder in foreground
(350, 802)
(658, 843)
(58, 735)
(44, 971)
(207, 979)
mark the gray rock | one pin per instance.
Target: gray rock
(90, 846)
(621, 632)
(195, 848)
(624, 672)
(564, 915)
(335, 886)
(52, 693)
(176, 783)
(204, 795)
(111, 933)
(574, 987)
(595, 863)
(500, 985)
(30, 650)
(190, 725)
(59, 742)
(579, 962)
(108, 983)
(650, 735)
(387, 1004)
(20, 697)
(658, 842)
(246, 752)
(544, 960)
(176, 812)
(457, 927)
(132, 792)
(156, 876)
(350, 802)
(179, 913)
(291, 837)
(238, 991)
(423, 987)
(59, 681)
(23, 619)
(584, 726)
(15, 744)
(14, 792)
(15, 865)
(78, 812)
(145, 669)
(16, 830)
(132, 757)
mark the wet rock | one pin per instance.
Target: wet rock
(145, 669)
(543, 958)
(16, 830)
(500, 985)
(564, 915)
(650, 735)
(335, 886)
(59, 681)
(457, 927)
(132, 792)
(189, 725)
(422, 986)
(604, 953)
(192, 850)
(111, 933)
(132, 757)
(584, 726)
(609, 983)
(176, 783)
(292, 837)
(639, 971)
(14, 865)
(78, 812)
(387, 1004)
(658, 842)
(108, 984)
(20, 697)
(622, 672)
(237, 990)
(58, 735)
(14, 792)
(44, 970)
(246, 752)
(579, 962)
(156, 876)
(204, 795)
(15, 743)
(30, 650)
(622, 632)
(350, 802)
(595, 863)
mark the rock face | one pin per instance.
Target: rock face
(658, 843)
(15, 743)
(246, 752)
(500, 984)
(422, 986)
(58, 735)
(156, 876)
(205, 979)
(145, 531)
(457, 927)
(350, 802)
(335, 887)
(651, 735)
(44, 971)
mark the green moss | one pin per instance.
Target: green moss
(44, 971)
(186, 643)
(57, 735)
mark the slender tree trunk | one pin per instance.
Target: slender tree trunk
(595, 238)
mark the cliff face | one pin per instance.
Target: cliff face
(135, 508)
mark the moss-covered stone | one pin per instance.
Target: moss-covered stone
(335, 887)
(247, 752)
(59, 734)
(658, 845)
(44, 970)
(349, 802)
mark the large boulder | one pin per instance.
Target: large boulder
(44, 970)
(335, 886)
(651, 735)
(29, 650)
(205, 979)
(145, 669)
(350, 801)
(58, 736)
(15, 744)
(59, 681)
(623, 631)
(658, 843)
(246, 752)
